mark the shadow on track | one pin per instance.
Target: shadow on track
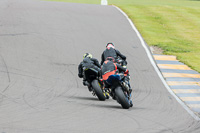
(85, 98)
(109, 106)
(102, 105)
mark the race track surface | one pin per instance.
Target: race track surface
(41, 45)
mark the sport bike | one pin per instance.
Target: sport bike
(94, 84)
(119, 91)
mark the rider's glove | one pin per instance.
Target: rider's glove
(126, 72)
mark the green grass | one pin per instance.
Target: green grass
(173, 25)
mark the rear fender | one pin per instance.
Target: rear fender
(112, 79)
(91, 74)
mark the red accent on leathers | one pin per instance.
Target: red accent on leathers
(106, 76)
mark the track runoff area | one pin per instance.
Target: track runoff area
(42, 44)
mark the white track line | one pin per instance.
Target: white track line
(156, 68)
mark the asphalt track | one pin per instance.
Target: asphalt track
(41, 45)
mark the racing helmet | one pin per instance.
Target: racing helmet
(87, 55)
(110, 45)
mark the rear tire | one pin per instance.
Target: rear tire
(98, 91)
(123, 100)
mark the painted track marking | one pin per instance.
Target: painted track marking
(182, 80)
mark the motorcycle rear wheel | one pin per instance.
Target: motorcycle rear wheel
(122, 99)
(98, 91)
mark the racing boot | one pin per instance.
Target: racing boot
(126, 86)
(89, 88)
(130, 89)
(85, 83)
(131, 103)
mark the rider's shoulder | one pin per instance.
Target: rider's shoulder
(93, 59)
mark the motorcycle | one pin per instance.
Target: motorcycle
(119, 91)
(95, 85)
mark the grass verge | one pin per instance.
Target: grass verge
(173, 26)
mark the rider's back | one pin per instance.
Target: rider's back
(87, 63)
(110, 52)
(108, 66)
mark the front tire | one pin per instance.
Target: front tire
(123, 100)
(98, 91)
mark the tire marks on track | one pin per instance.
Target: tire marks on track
(8, 75)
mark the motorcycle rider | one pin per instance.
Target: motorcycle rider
(109, 68)
(88, 62)
(110, 51)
